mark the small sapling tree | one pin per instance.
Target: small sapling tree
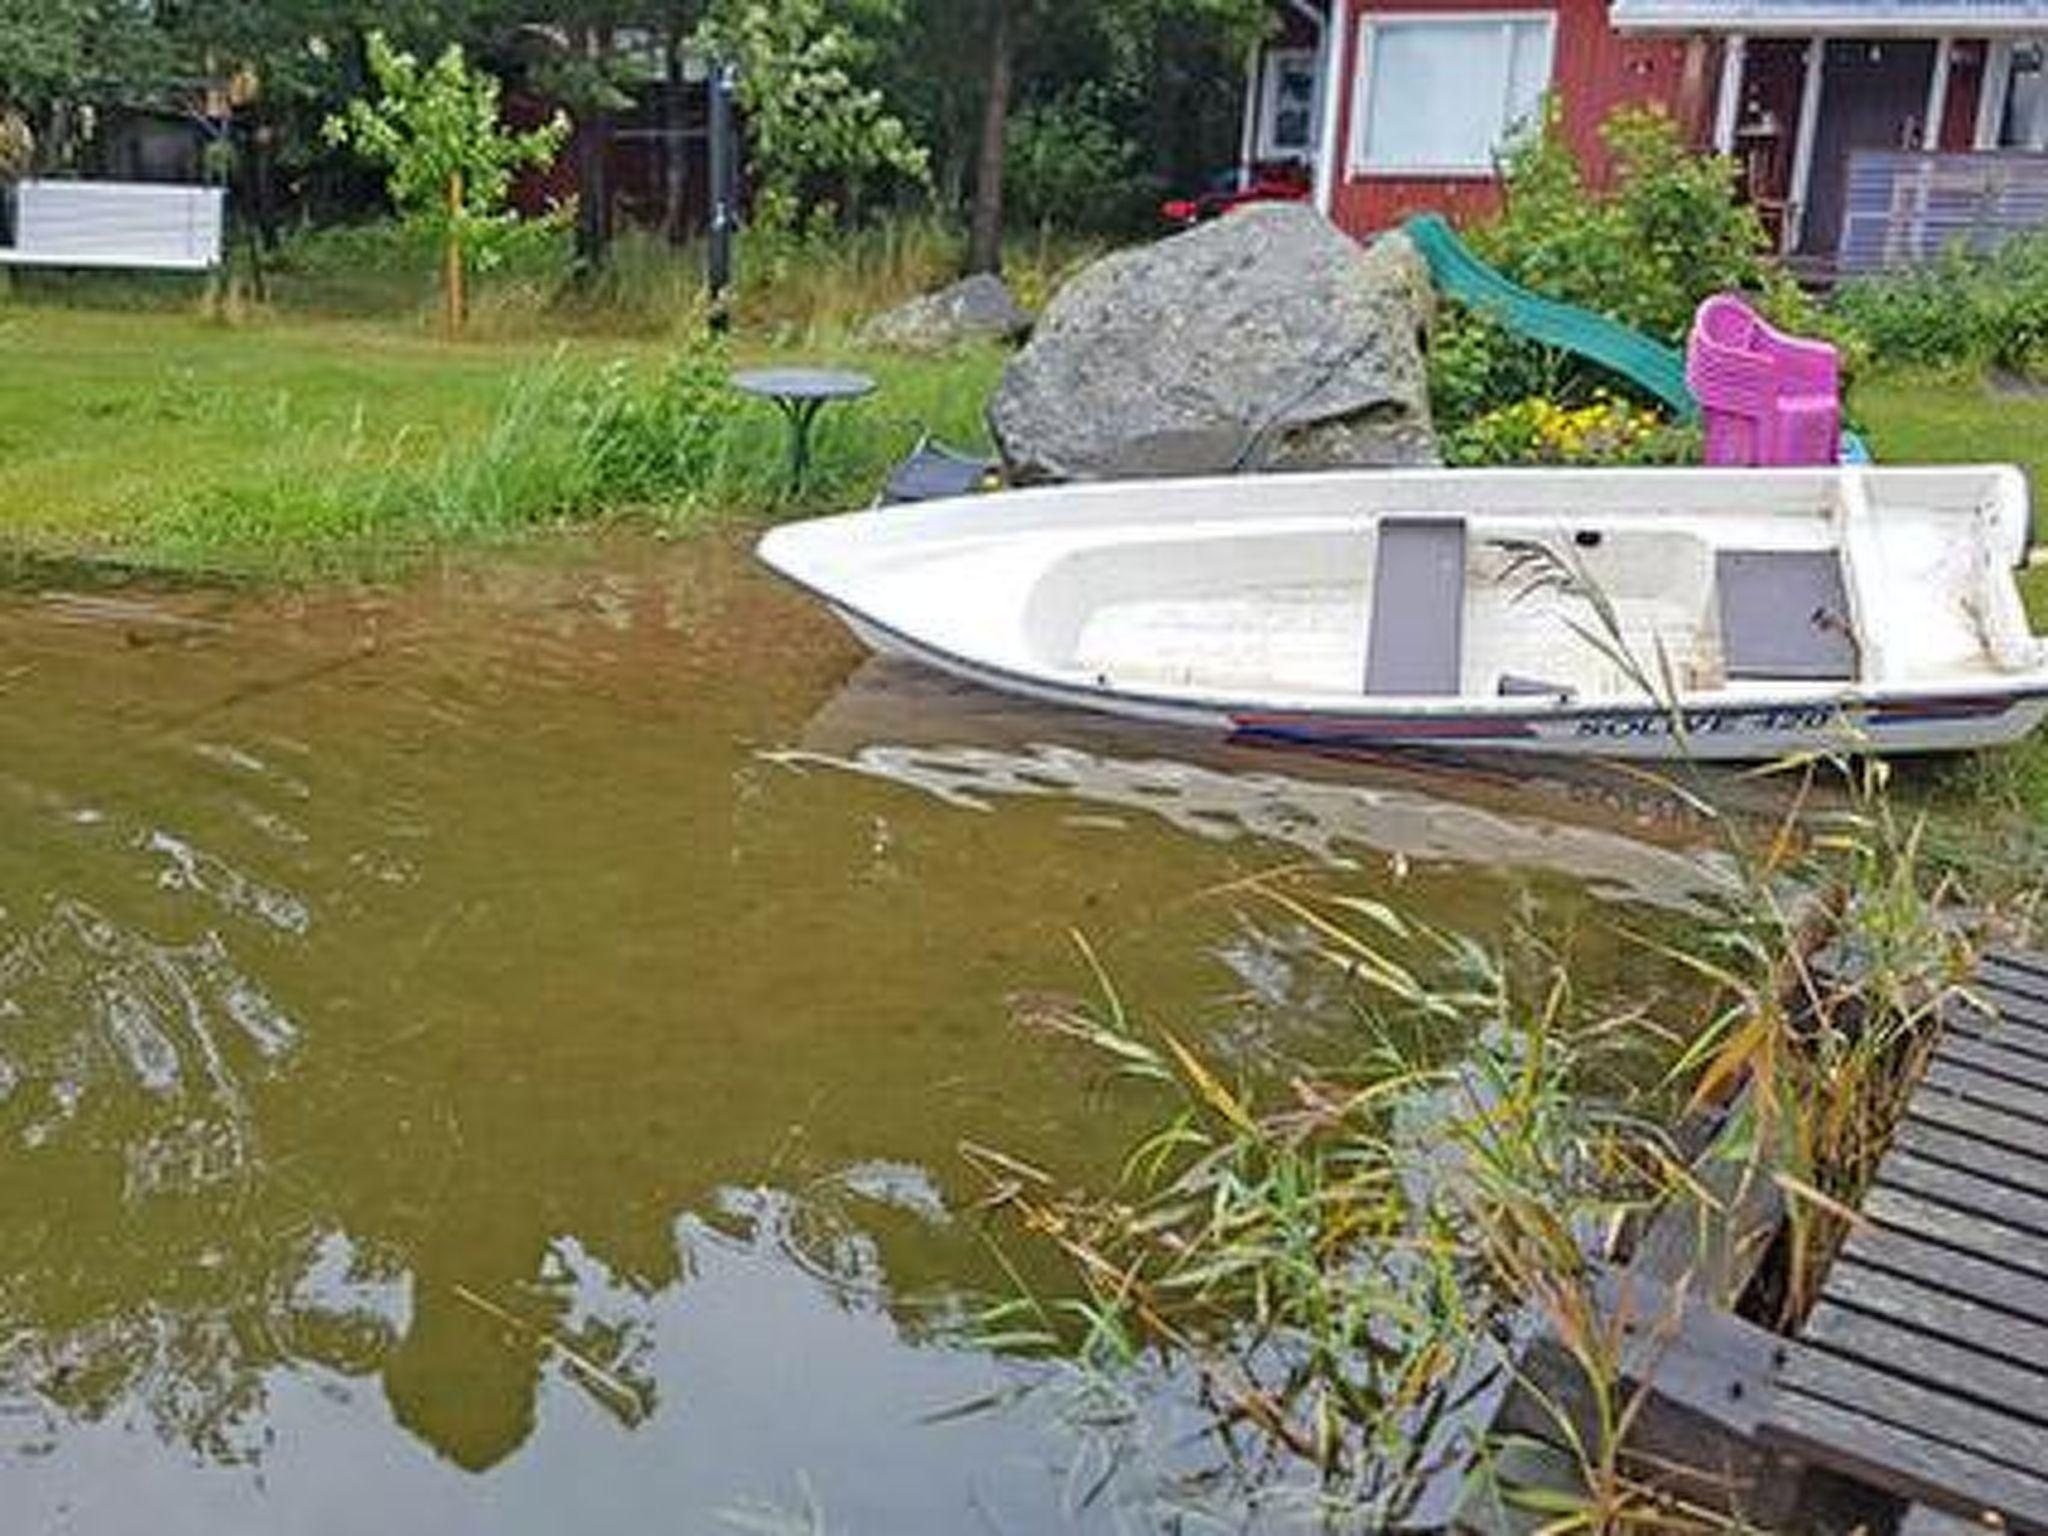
(448, 158)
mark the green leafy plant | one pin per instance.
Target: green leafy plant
(816, 133)
(1070, 165)
(1667, 234)
(17, 145)
(1969, 310)
(449, 158)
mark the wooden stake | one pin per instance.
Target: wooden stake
(453, 280)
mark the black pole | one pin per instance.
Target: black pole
(725, 213)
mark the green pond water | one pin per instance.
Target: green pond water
(491, 1054)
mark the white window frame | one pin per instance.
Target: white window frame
(1358, 158)
(1277, 59)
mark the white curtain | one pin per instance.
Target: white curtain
(2026, 101)
(1443, 95)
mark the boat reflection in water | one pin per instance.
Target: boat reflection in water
(1626, 834)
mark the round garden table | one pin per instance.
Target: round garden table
(800, 394)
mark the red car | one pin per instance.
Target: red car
(1286, 183)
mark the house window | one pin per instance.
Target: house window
(2026, 101)
(1287, 123)
(1440, 94)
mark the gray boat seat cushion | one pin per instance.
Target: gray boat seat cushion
(1415, 638)
(1785, 614)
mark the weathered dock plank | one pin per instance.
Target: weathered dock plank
(1959, 1229)
(1923, 1370)
(1950, 1269)
(1909, 1439)
(1994, 1092)
(1884, 1396)
(1941, 1145)
(1971, 1192)
(1996, 1058)
(1881, 1344)
(1937, 1337)
(1965, 1023)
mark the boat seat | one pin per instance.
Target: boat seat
(1415, 639)
(1785, 614)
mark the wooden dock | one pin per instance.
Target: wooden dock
(1924, 1369)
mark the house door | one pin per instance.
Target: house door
(1774, 74)
(1873, 96)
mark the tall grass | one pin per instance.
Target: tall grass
(792, 286)
(1829, 988)
(572, 441)
(1345, 1266)
(1340, 1263)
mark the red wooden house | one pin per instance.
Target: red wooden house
(1858, 124)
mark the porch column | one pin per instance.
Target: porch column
(1728, 105)
(1248, 135)
(1339, 82)
(1803, 141)
(1937, 93)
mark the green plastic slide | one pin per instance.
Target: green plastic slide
(1650, 364)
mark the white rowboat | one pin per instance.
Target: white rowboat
(1657, 613)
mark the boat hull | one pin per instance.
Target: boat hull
(1753, 730)
(1778, 612)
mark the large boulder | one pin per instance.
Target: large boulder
(977, 308)
(1267, 339)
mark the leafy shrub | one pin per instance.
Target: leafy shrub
(1668, 234)
(17, 145)
(1070, 165)
(1969, 309)
(1476, 364)
(813, 122)
(1540, 431)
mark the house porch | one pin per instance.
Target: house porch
(1872, 133)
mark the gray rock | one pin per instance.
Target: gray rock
(977, 308)
(1267, 339)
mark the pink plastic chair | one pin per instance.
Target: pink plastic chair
(1765, 397)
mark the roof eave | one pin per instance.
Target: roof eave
(1831, 20)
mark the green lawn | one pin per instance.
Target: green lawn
(177, 440)
(107, 419)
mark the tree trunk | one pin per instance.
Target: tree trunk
(674, 164)
(593, 192)
(593, 155)
(985, 240)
